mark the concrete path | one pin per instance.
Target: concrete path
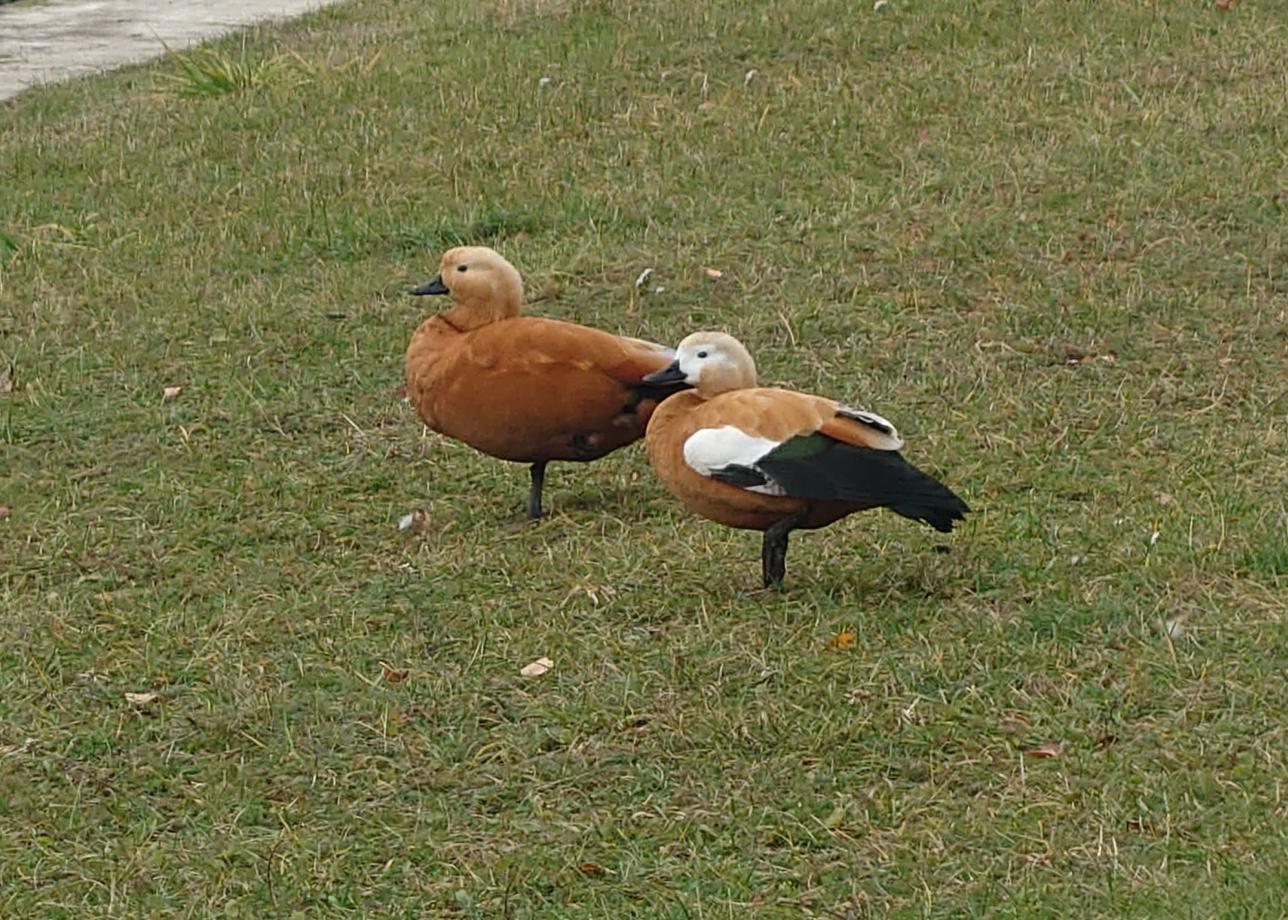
(46, 40)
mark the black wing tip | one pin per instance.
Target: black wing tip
(944, 524)
(942, 514)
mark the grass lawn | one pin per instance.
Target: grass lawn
(1048, 240)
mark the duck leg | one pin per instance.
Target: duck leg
(773, 551)
(538, 483)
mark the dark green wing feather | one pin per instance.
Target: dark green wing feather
(820, 468)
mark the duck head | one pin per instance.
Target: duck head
(710, 362)
(484, 286)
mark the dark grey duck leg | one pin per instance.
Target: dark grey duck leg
(538, 483)
(773, 551)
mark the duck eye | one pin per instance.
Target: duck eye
(702, 354)
(460, 268)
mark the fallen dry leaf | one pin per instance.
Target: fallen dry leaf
(590, 868)
(841, 641)
(6, 380)
(537, 668)
(171, 392)
(140, 699)
(1163, 498)
(393, 675)
(714, 274)
(4, 512)
(1049, 749)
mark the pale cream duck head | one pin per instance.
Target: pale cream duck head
(484, 286)
(710, 362)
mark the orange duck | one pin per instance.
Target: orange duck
(777, 460)
(525, 389)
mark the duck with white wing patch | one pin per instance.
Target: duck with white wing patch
(775, 460)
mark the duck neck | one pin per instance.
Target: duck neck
(726, 376)
(501, 301)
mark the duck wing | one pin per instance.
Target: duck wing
(782, 443)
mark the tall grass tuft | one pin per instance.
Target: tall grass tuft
(211, 72)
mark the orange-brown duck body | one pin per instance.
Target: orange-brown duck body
(776, 460)
(525, 389)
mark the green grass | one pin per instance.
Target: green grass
(1047, 240)
(210, 72)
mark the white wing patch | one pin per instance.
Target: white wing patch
(887, 437)
(711, 449)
